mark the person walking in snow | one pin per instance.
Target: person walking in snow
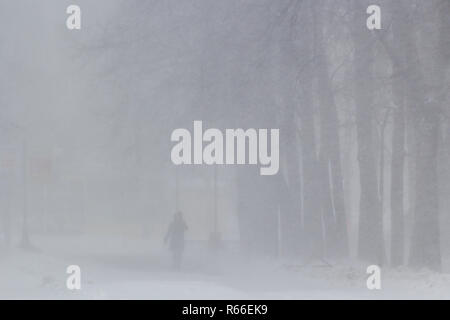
(175, 238)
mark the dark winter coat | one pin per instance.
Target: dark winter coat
(175, 234)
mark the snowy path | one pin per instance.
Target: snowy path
(127, 270)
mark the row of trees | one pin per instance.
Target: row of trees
(396, 82)
(365, 139)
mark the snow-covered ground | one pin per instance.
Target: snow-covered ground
(126, 269)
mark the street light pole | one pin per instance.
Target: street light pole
(25, 242)
(214, 238)
(215, 199)
(177, 189)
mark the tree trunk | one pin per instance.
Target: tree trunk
(370, 219)
(312, 217)
(290, 183)
(425, 249)
(330, 150)
(428, 96)
(398, 144)
(397, 175)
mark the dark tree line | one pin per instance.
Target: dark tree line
(398, 74)
(363, 115)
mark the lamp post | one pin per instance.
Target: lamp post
(215, 199)
(25, 241)
(177, 189)
(214, 238)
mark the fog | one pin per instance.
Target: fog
(87, 175)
